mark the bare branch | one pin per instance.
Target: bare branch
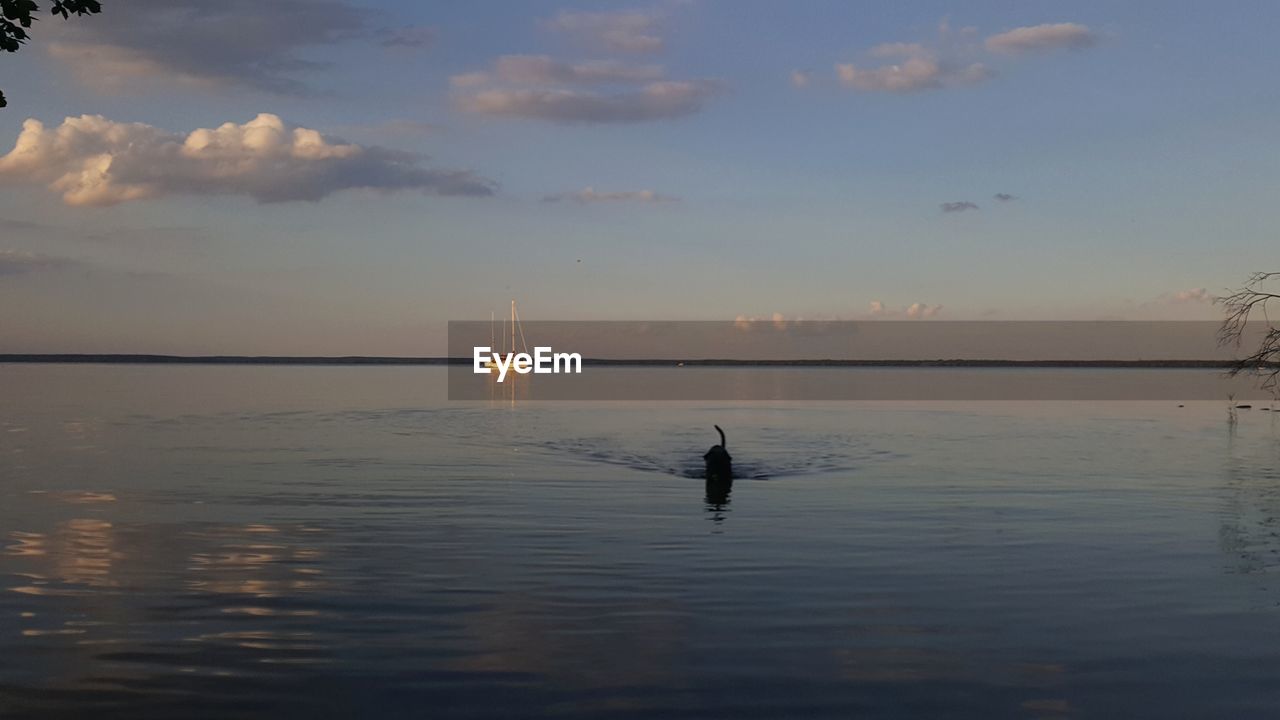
(1251, 301)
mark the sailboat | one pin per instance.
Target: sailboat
(492, 343)
(515, 324)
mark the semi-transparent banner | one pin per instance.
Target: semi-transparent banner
(847, 360)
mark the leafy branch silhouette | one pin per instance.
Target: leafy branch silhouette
(17, 16)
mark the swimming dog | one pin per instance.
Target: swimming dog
(719, 464)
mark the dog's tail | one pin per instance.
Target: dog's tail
(723, 444)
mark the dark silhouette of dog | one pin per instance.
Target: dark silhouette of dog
(719, 472)
(719, 463)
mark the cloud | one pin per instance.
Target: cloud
(914, 311)
(632, 31)
(590, 195)
(20, 262)
(542, 70)
(539, 87)
(960, 206)
(413, 37)
(1194, 295)
(471, 79)
(889, 50)
(919, 69)
(800, 79)
(950, 60)
(923, 310)
(94, 161)
(1004, 197)
(1192, 303)
(248, 43)
(1045, 37)
(754, 322)
(655, 101)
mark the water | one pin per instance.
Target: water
(229, 542)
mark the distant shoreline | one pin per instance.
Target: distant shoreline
(130, 359)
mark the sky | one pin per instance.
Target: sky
(329, 177)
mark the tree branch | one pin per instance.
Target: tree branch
(1240, 305)
(16, 17)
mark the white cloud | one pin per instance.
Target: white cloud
(953, 59)
(914, 74)
(1050, 36)
(539, 87)
(654, 101)
(106, 67)
(923, 310)
(91, 160)
(591, 195)
(1195, 303)
(914, 311)
(754, 322)
(960, 206)
(1194, 295)
(800, 79)
(919, 69)
(471, 79)
(542, 70)
(898, 49)
(632, 31)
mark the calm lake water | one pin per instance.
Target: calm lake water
(225, 542)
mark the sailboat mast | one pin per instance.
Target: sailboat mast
(513, 326)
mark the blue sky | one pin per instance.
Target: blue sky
(666, 160)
